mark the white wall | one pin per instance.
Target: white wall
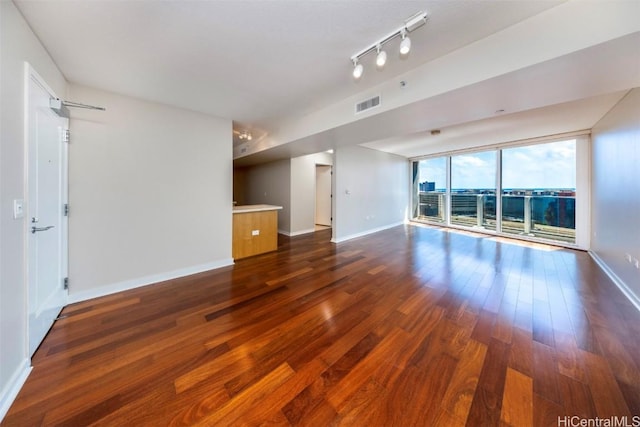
(270, 183)
(615, 197)
(150, 193)
(17, 44)
(371, 191)
(303, 191)
(289, 183)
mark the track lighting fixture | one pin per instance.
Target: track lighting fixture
(245, 135)
(414, 22)
(357, 69)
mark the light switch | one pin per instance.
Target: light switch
(18, 208)
(255, 232)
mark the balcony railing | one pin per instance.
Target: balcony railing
(544, 216)
(431, 206)
(474, 210)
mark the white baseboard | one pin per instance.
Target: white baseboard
(144, 281)
(10, 392)
(631, 296)
(297, 233)
(364, 233)
(307, 231)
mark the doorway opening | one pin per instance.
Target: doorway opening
(324, 196)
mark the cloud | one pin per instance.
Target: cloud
(549, 165)
(478, 170)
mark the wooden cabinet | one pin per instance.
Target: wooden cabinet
(255, 230)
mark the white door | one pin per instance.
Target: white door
(323, 195)
(46, 221)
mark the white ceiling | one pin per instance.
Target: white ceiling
(556, 119)
(261, 63)
(566, 94)
(251, 61)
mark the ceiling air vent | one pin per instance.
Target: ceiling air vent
(368, 104)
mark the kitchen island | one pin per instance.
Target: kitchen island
(255, 230)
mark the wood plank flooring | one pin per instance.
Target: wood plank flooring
(412, 326)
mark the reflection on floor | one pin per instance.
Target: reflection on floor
(410, 326)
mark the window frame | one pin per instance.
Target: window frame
(582, 197)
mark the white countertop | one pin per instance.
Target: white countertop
(255, 208)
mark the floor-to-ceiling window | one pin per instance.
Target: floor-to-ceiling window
(473, 190)
(430, 182)
(536, 183)
(539, 189)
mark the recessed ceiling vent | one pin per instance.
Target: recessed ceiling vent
(368, 104)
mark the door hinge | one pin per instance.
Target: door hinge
(65, 209)
(66, 137)
(65, 283)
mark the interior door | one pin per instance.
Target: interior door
(46, 220)
(323, 195)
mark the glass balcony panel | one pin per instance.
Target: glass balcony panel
(513, 214)
(544, 216)
(473, 209)
(432, 206)
(554, 217)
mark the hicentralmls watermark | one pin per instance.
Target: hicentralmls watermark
(576, 421)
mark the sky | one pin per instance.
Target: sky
(551, 165)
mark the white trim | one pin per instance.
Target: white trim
(307, 231)
(583, 192)
(508, 144)
(631, 296)
(144, 281)
(15, 383)
(255, 208)
(367, 232)
(297, 233)
(32, 76)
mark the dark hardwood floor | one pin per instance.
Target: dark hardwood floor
(413, 326)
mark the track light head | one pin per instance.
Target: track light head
(405, 44)
(357, 69)
(381, 59)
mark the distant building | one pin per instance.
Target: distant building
(427, 186)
